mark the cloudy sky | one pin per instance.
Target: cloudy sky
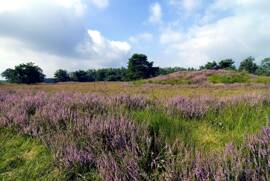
(84, 34)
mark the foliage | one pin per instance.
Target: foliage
(264, 69)
(248, 65)
(169, 70)
(229, 79)
(109, 74)
(263, 79)
(140, 68)
(24, 73)
(61, 76)
(227, 64)
(80, 76)
(210, 66)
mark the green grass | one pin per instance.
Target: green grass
(23, 158)
(263, 80)
(230, 78)
(210, 133)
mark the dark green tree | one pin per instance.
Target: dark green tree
(10, 75)
(227, 64)
(92, 75)
(140, 68)
(169, 70)
(101, 75)
(61, 76)
(27, 73)
(80, 76)
(210, 66)
(264, 69)
(248, 65)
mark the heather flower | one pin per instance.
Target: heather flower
(190, 107)
(129, 102)
(72, 156)
(81, 132)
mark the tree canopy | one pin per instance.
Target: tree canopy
(264, 69)
(227, 64)
(248, 65)
(27, 73)
(210, 66)
(61, 76)
(140, 68)
(80, 76)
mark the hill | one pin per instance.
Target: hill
(208, 77)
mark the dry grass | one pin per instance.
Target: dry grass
(151, 90)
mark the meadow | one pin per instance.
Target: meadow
(201, 126)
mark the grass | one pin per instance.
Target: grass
(23, 158)
(230, 78)
(173, 81)
(210, 133)
(262, 80)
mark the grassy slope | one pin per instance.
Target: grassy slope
(208, 77)
(23, 158)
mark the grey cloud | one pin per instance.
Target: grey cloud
(48, 28)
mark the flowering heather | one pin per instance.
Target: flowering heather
(247, 99)
(196, 107)
(129, 102)
(85, 132)
(250, 162)
(190, 107)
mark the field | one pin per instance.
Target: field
(185, 126)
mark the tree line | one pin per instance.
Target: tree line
(138, 68)
(248, 64)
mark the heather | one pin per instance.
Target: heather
(138, 137)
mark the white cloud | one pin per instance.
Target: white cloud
(102, 47)
(53, 35)
(104, 51)
(188, 6)
(78, 6)
(18, 5)
(141, 38)
(155, 13)
(96, 52)
(169, 36)
(244, 32)
(100, 3)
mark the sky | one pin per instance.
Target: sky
(86, 34)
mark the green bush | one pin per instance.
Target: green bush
(229, 79)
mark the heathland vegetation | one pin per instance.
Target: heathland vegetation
(188, 125)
